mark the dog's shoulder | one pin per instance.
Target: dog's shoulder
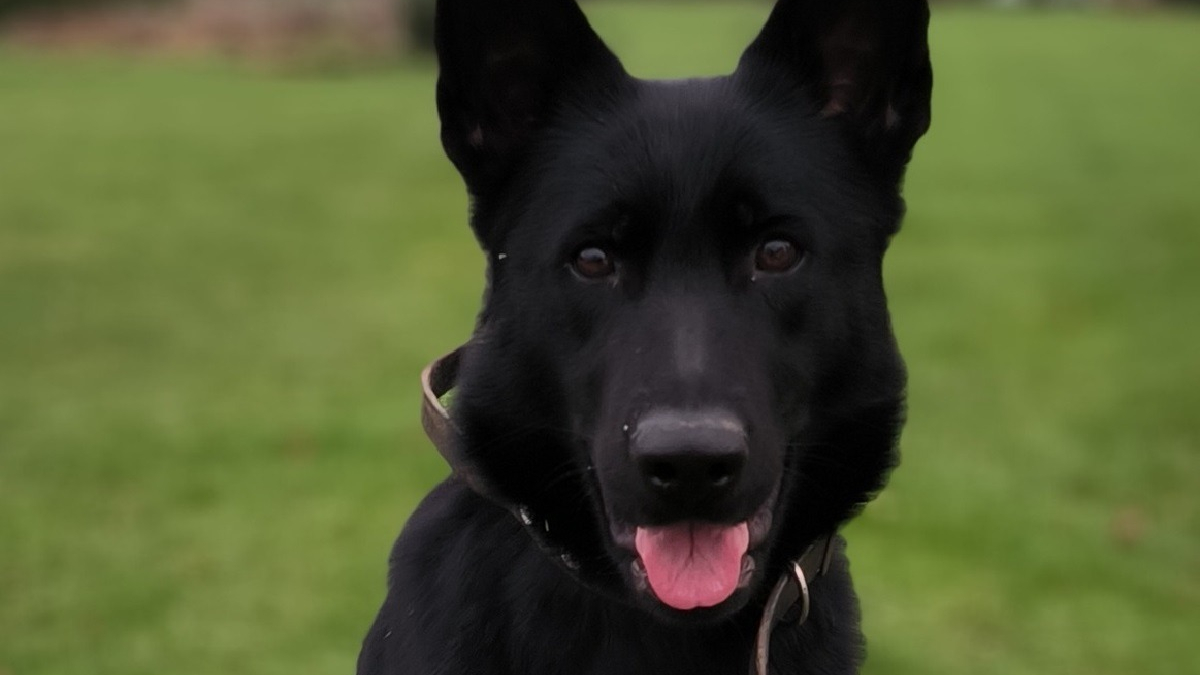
(441, 578)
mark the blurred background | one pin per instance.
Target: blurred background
(229, 240)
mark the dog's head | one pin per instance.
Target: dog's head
(684, 363)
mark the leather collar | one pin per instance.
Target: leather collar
(788, 602)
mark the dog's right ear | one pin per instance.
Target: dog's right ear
(503, 67)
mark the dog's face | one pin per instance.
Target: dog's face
(684, 364)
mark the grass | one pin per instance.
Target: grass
(217, 289)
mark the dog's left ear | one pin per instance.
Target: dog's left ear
(504, 66)
(865, 61)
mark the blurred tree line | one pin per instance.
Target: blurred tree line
(12, 7)
(414, 18)
(304, 34)
(418, 14)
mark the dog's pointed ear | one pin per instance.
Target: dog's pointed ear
(865, 61)
(503, 66)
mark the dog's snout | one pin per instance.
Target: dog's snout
(690, 455)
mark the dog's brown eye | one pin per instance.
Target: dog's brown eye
(777, 255)
(593, 263)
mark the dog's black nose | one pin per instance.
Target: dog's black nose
(690, 455)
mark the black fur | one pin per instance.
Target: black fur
(680, 183)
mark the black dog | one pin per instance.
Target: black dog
(683, 379)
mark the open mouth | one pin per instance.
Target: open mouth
(690, 564)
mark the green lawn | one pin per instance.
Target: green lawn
(217, 288)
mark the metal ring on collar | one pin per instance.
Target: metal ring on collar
(771, 614)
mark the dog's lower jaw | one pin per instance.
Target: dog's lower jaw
(469, 591)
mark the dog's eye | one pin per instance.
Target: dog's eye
(593, 263)
(776, 256)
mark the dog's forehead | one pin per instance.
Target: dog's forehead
(678, 144)
(679, 126)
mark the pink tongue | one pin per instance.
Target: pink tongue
(693, 565)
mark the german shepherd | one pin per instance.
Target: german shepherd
(683, 379)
